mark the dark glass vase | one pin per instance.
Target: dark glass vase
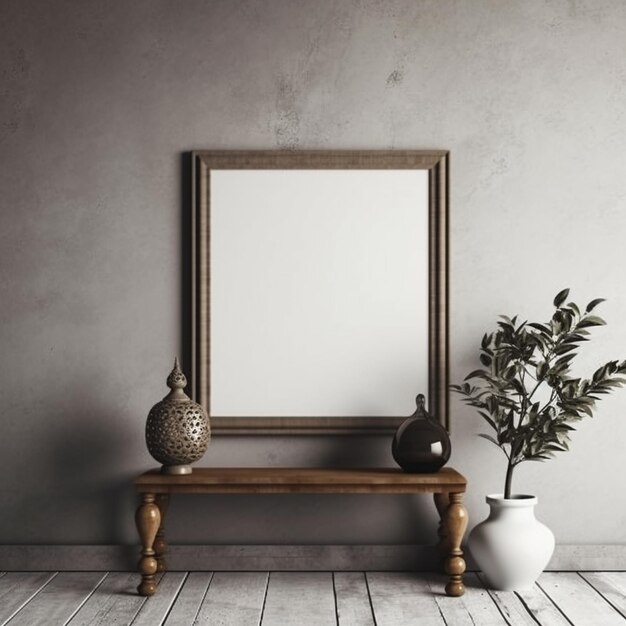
(421, 444)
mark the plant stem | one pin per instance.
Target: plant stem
(507, 482)
(549, 402)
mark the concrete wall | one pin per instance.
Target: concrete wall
(99, 101)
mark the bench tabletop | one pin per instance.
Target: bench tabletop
(300, 480)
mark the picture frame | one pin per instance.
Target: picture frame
(218, 210)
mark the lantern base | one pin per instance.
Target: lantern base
(176, 469)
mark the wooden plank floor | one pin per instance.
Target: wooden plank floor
(306, 599)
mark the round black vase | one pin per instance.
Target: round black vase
(421, 444)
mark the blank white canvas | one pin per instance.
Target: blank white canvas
(319, 292)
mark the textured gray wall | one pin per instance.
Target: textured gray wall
(99, 101)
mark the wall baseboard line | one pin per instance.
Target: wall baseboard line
(280, 558)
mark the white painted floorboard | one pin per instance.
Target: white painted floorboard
(352, 599)
(234, 599)
(59, 600)
(578, 600)
(302, 598)
(612, 586)
(189, 599)
(306, 599)
(474, 607)
(542, 608)
(17, 588)
(110, 604)
(155, 611)
(399, 598)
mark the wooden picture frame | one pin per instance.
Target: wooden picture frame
(435, 163)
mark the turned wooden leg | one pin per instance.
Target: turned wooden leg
(160, 544)
(147, 519)
(442, 500)
(455, 523)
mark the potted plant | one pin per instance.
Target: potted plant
(528, 396)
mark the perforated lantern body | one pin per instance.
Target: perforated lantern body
(177, 429)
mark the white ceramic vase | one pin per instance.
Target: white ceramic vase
(511, 546)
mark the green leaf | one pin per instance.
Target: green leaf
(596, 319)
(563, 427)
(576, 338)
(475, 374)
(564, 348)
(508, 373)
(616, 382)
(517, 385)
(599, 373)
(593, 304)
(488, 419)
(568, 318)
(574, 307)
(586, 409)
(561, 297)
(564, 360)
(537, 326)
(589, 321)
(489, 438)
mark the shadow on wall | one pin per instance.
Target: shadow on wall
(71, 488)
(415, 512)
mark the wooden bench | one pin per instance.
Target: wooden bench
(447, 485)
